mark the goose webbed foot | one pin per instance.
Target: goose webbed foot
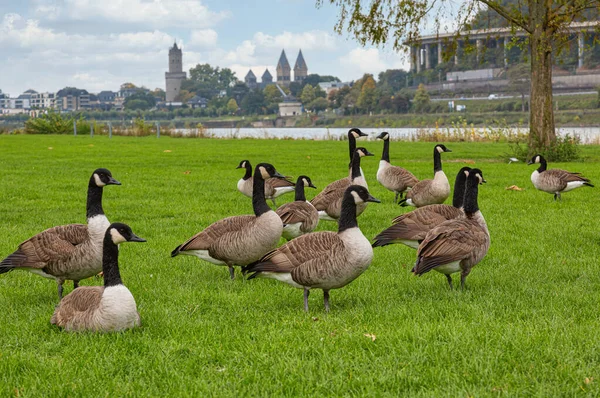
(306, 293)
(326, 299)
(449, 278)
(274, 204)
(75, 284)
(463, 278)
(60, 290)
(231, 272)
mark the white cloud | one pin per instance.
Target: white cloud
(155, 13)
(371, 60)
(312, 40)
(205, 38)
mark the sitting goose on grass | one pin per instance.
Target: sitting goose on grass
(394, 178)
(555, 181)
(239, 240)
(457, 245)
(108, 308)
(412, 227)
(329, 201)
(298, 217)
(68, 252)
(429, 192)
(322, 260)
(274, 187)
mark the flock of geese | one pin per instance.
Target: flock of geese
(448, 238)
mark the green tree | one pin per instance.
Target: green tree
(319, 92)
(391, 81)
(139, 101)
(545, 25)
(421, 100)
(318, 104)
(232, 106)
(308, 94)
(368, 97)
(518, 81)
(208, 82)
(254, 103)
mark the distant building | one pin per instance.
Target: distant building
(266, 79)
(72, 99)
(283, 70)
(43, 100)
(250, 80)
(175, 76)
(107, 96)
(330, 86)
(300, 68)
(198, 102)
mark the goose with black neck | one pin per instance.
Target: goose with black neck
(274, 187)
(555, 181)
(393, 178)
(299, 217)
(68, 252)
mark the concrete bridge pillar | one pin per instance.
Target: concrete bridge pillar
(439, 52)
(580, 45)
(427, 57)
(479, 44)
(419, 58)
(505, 49)
(412, 58)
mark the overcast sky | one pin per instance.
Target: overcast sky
(100, 44)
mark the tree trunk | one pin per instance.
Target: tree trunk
(541, 113)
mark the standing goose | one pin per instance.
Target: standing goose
(394, 178)
(555, 181)
(457, 245)
(108, 308)
(239, 240)
(298, 217)
(429, 192)
(329, 201)
(68, 252)
(274, 187)
(322, 260)
(412, 227)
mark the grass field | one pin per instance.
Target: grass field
(527, 325)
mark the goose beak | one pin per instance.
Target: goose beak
(483, 181)
(277, 175)
(361, 134)
(112, 181)
(529, 162)
(135, 238)
(367, 153)
(311, 185)
(239, 167)
(448, 150)
(373, 199)
(379, 137)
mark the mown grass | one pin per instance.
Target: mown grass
(527, 325)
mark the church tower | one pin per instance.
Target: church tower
(175, 75)
(283, 70)
(300, 68)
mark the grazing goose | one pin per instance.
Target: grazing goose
(555, 181)
(329, 201)
(429, 192)
(322, 260)
(410, 228)
(274, 187)
(239, 240)
(108, 308)
(298, 217)
(394, 178)
(69, 252)
(457, 245)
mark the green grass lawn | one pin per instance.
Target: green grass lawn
(527, 325)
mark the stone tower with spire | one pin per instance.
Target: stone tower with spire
(175, 76)
(283, 70)
(300, 68)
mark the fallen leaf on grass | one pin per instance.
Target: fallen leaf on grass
(514, 188)
(167, 150)
(371, 336)
(50, 147)
(187, 172)
(100, 275)
(315, 319)
(91, 145)
(308, 157)
(588, 380)
(467, 161)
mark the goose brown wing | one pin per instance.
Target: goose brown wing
(400, 177)
(279, 182)
(330, 193)
(82, 299)
(202, 240)
(419, 189)
(296, 212)
(50, 245)
(565, 176)
(452, 241)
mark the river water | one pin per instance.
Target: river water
(587, 134)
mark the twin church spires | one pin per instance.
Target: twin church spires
(284, 70)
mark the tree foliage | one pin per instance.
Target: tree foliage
(308, 94)
(421, 100)
(139, 101)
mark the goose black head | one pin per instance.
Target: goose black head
(356, 133)
(361, 194)
(363, 152)
(465, 170)
(103, 177)
(383, 136)
(442, 148)
(479, 174)
(305, 180)
(243, 164)
(267, 171)
(120, 233)
(536, 159)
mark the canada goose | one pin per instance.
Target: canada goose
(394, 178)
(68, 252)
(459, 244)
(322, 260)
(274, 187)
(429, 192)
(108, 308)
(298, 217)
(410, 228)
(239, 240)
(555, 181)
(329, 201)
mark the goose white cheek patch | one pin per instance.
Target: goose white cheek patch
(117, 237)
(98, 180)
